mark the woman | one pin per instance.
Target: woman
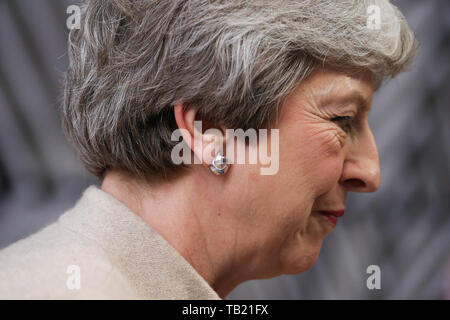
(165, 225)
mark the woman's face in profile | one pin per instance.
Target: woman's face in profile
(326, 149)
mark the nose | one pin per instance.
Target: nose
(361, 171)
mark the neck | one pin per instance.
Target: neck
(186, 214)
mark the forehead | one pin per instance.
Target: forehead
(327, 86)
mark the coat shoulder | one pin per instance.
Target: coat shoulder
(58, 263)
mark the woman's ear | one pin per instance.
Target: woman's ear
(204, 145)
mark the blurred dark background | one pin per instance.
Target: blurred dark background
(404, 228)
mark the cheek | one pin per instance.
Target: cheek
(316, 161)
(324, 140)
(326, 173)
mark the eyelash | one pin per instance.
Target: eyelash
(345, 122)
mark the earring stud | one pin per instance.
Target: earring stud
(219, 165)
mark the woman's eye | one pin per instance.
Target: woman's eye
(345, 122)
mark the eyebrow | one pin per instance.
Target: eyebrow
(354, 96)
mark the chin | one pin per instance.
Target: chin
(299, 264)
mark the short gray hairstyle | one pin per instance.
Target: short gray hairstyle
(234, 61)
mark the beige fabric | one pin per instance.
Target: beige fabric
(119, 257)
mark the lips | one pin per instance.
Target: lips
(332, 215)
(337, 213)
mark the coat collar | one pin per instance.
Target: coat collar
(154, 268)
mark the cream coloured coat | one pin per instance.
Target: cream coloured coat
(99, 249)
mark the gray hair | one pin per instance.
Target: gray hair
(234, 61)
